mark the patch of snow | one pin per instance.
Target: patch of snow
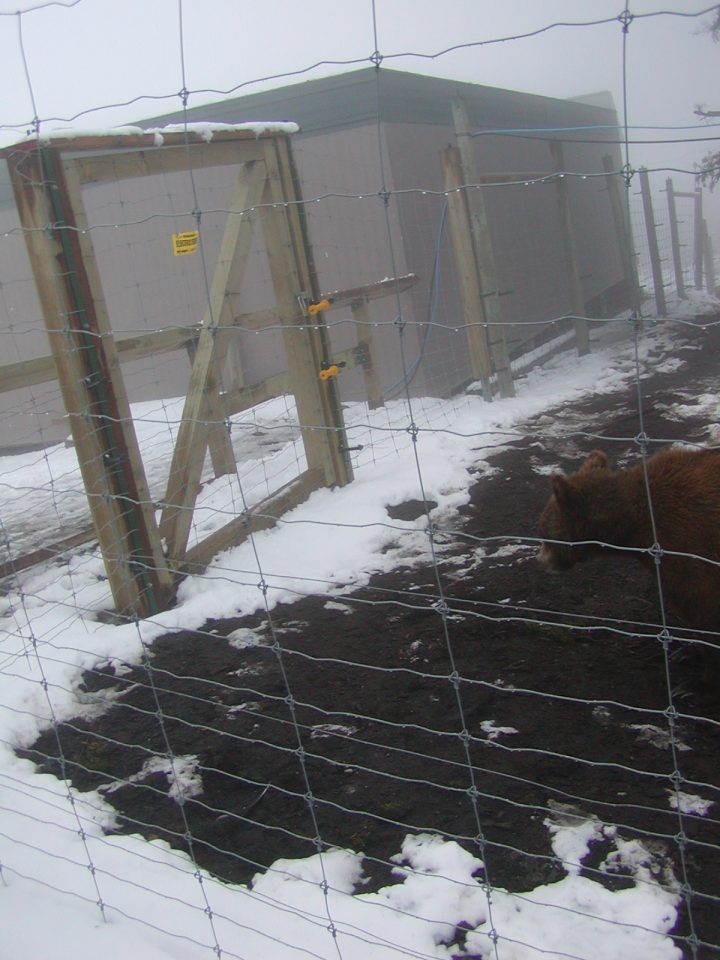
(493, 731)
(181, 772)
(690, 803)
(243, 637)
(340, 607)
(320, 730)
(657, 736)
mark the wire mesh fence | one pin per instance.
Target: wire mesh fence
(375, 727)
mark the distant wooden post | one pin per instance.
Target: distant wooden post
(481, 238)
(619, 211)
(654, 250)
(699, 225)
(709, 263)
(49, 203)
(577, 300)
(675, 240)
(460, 231)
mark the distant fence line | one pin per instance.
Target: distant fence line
(669, 267)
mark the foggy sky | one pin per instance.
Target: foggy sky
(82, 56)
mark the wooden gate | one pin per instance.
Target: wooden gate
(142, 557)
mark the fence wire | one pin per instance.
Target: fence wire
(209, 776)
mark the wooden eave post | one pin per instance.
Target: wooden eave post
(49, 204)
(577, 299)
(307, 344)
(484, 254)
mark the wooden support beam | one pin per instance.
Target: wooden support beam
(481, 238)
(28, 373)
(306, 341)
(242, 398)
(675, 240)
(466, 268)
(140, 534)
(372, 291)
(136, 141)
(63, 263)
(202, 403)
(373, 389)
(699, 239)
(154, 161)
(218, 438)
(577, 299)
(619, 209)
(16, 564)
(653, 248)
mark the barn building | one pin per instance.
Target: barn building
(368, 156)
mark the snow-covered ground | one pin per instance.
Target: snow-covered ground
(69, 891)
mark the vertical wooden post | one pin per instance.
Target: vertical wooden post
(675, 240)
(624, 235)
(483, 248)
(373, 389)
(577, 300)
(699, 231)
(473, 314)
(709, 263)
(49, 204)
(653, 248)
(306, 341)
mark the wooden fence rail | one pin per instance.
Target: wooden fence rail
(28, 373)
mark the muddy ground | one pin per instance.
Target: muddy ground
(571, 663)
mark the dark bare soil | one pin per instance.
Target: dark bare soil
(376, 740)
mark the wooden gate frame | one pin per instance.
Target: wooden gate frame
(47, 178)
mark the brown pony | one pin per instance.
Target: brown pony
(610, 508)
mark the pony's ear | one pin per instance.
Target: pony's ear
(565, 493)
(597, 460)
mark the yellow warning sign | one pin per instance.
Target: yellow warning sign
(186, 242)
